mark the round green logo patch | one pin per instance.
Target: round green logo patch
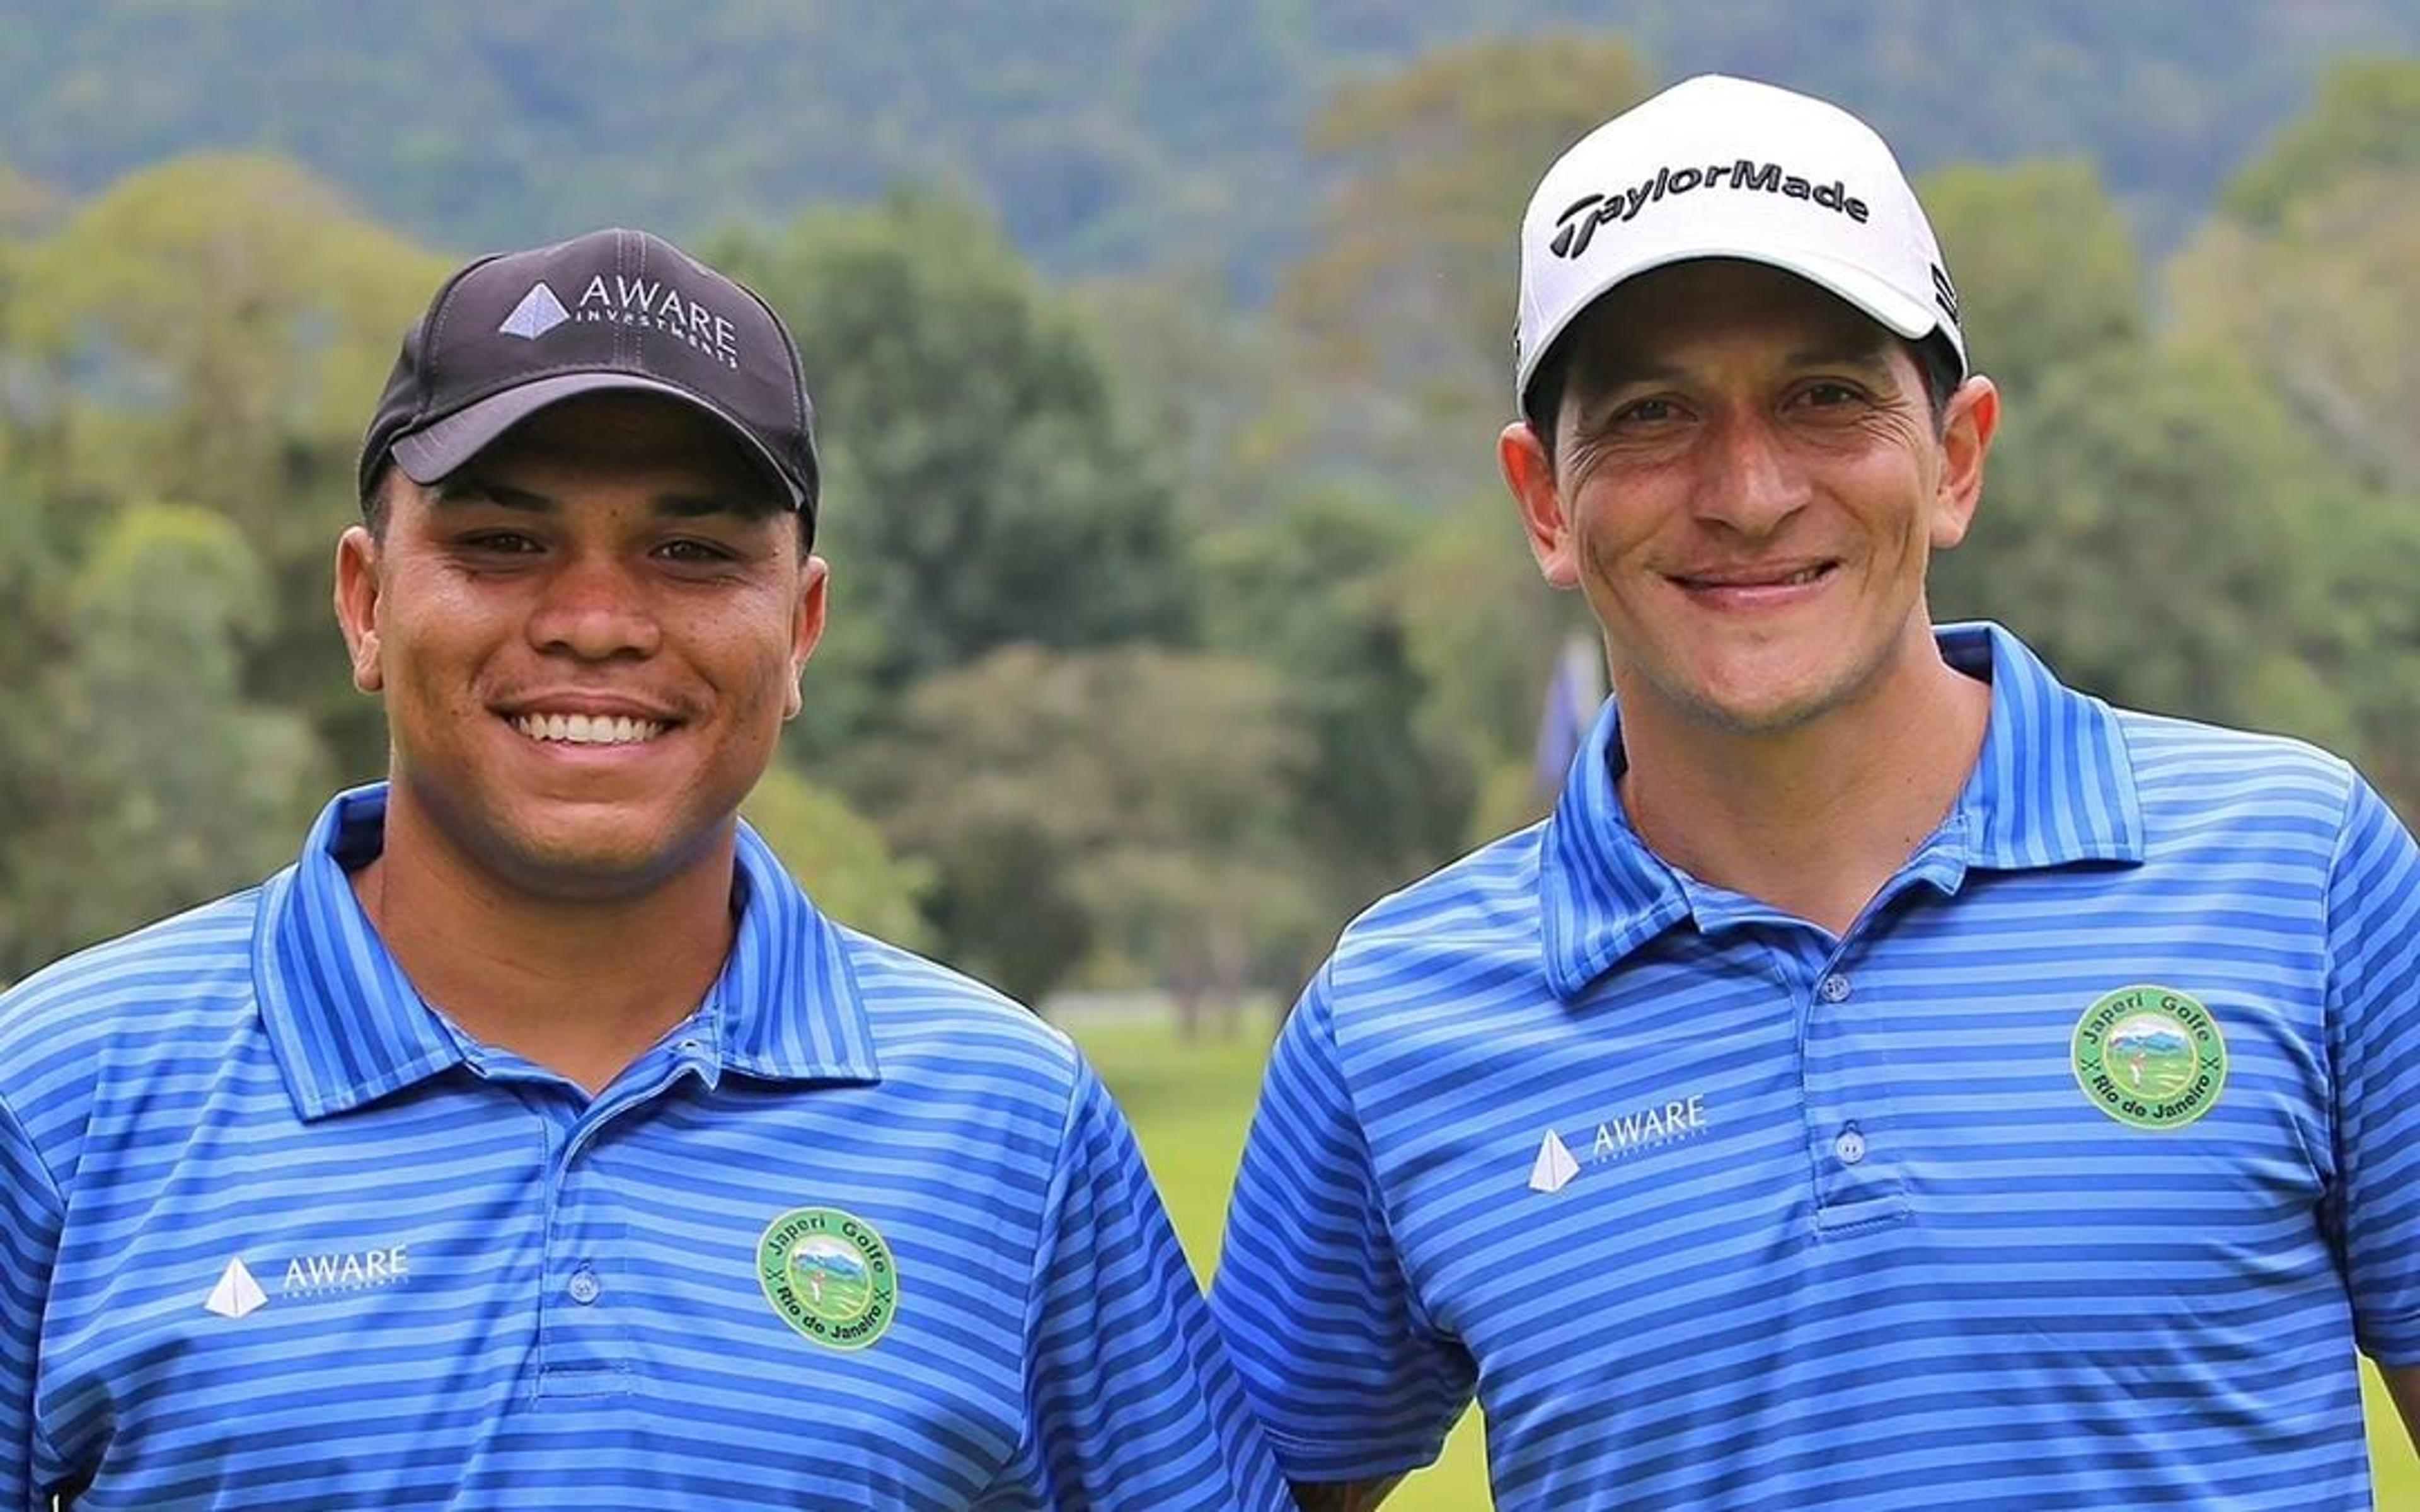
(2149, 1057)
(830, 1276)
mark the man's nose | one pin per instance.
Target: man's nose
(1750, 484)
(593, 609)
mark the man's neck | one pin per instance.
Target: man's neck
(1816, 819)
(583, 987)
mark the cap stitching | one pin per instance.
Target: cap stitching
(436, 333)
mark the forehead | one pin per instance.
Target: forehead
(1717, 308)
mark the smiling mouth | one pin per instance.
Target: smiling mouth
(1794, 580)
(588, 728)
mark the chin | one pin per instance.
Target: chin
(590, 864)
(1765, 700)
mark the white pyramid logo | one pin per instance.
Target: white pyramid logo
(1555, 1167)
(538, 313)
(237, 1294)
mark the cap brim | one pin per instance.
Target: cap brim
(437, 450)
(1886, 304)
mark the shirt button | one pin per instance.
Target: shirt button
(585, 1285)
(1833, 988)
(1850, 1145)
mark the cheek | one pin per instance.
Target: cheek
(1609, 534)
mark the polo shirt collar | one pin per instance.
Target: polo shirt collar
(348, 1026)
(2052, 786)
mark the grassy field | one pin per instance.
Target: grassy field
(1190, 1103)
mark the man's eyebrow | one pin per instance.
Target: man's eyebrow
(696, 506)
(469, 488)
(1619, 370)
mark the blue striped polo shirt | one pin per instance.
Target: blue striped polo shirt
(858, 1234)
(2069, 1176)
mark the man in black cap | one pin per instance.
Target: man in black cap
(533, 1141)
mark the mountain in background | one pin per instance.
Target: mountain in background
(1106, 135)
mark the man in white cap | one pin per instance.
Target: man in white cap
(1890, 1078)
(533, 1141)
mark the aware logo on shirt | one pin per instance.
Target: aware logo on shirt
(238, 1293)
(1620, 1138)
(2152, 1057)
(829, 1274)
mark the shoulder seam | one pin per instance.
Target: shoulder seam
(50, 1178)
(58, 1204)
(1054, 1196)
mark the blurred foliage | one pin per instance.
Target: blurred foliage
(1416, 240)
(2366, 122)
(1321, 592)
(157, 782)
(981, 486)
(1105, 135)
(1170, 626)
(2148, 525)
(1116, 802)
(2323, 306)
(841, 858)
(215, 329)
(2047, 274)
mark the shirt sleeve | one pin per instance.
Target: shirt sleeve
(1134, 1406)
(30, 1216)
(1348, 1377)
(2374, 1025)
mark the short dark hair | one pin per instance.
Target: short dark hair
(1936, 359)
(376, 508)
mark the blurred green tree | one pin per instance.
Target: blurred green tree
(2322, 303)
(2366, 121)
(160, 782)
(982, 486)
(214, 328)
(1319, 591)
(2146, 525)
(1485, 634)
(1406, 294)
(2046, 268)
(839, 856)
(1120, 804)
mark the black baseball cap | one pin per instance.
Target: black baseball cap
(614, 310)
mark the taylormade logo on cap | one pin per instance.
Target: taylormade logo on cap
(1722, 167)
(1578, 223)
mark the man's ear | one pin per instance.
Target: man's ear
(1529, 475)
(1967, 427)
(357, 605)
(806, 628)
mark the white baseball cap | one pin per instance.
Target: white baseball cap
(1722, 167)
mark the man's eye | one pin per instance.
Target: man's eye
(1825, 396)
(1647, 409)
(500, 542)
(696, 552)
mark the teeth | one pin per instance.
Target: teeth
(1805, 574)
(588, 730)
